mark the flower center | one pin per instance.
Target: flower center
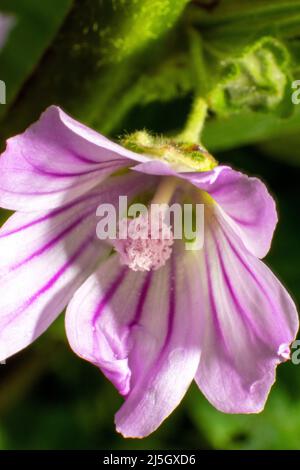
(145, 243)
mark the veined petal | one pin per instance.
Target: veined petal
(143, 331)
(55, 161)
(94, 330)
(245, 201)
(249, 320)
(45, 257)
(246, 204)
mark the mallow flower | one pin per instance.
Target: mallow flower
(151, 316)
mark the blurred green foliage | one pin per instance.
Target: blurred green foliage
(35, 27)
(124, 65)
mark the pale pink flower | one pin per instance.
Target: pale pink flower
(217, 316)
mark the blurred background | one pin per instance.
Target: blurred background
(123, 65)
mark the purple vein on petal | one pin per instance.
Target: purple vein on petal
(142, 300)
(214, 311)
(52, 281)
(83, 159)
(251, 325)
(45, 193)
(252, 274)
(172, 300)
(170, 318)
(54, 213)
(245, 223)
(71, 175)
(75, 184)
(108, 295)
(46, 217)
(53, 242)
(100, 166)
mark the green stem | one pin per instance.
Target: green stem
(194, 126)
(198, 63)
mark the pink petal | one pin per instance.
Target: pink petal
(143, 331)
(45, 257)
(245, 202)
(55, 161)
(249, 320)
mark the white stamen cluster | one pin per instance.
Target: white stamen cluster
(145, 243)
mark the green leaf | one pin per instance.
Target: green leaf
(135, 24)
(277, 427)
(168, 80)
(259, 79)
(247, 128)
(234, 23)
(36, 25)
(285, 148)
(98, 56)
